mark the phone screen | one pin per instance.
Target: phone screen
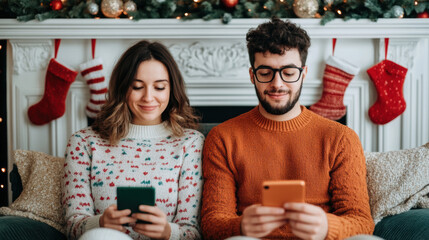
(132, 197)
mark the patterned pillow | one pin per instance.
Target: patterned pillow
(41, 195)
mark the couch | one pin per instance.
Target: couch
(398, 186)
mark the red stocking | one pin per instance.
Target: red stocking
(337, 76)
(388, 78)
(57, 83)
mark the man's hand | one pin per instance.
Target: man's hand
(158, 228)
(259, 221)
(307, 221)
(112, 218)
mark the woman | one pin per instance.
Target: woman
(143, 136)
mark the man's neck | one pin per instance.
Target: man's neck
(293, 113)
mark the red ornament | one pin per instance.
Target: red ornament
(229, 3)
(424, 14)
(56, 5)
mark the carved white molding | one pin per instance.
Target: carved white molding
(77, 99)
(402, 52)
(208, 60)
(29, 56)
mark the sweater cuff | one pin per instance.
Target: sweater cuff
(175, 232)
(334, 226)
(92, 222)
(236, 226)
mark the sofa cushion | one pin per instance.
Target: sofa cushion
(412, 225)
(41, 195)
(22, 228)
(397, 181)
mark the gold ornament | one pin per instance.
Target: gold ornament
(305, 8)
(111, 8)
(129, 6)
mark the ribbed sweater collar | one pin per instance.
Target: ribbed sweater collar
(282, 126)
(149, 131)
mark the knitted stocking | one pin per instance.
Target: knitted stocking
(337, 76)
(388, 78)
(52, 106)
(92, 72)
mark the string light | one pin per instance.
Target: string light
(3, 169)
(282, 1)
(178, 17)
(339, 12)
(186, 14)
(265, 7)
(2, 186)
(416, 3)
(0, 47)
(196, 1)
(1, 120)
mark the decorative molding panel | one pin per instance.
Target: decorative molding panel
(214, 62)
(402, 52)
(29, 56)
(210, 60)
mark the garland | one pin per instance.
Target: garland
(226, 10)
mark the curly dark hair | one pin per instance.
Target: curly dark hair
(277, 36)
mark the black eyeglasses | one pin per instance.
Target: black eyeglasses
(265, 74)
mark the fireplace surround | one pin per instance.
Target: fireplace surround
(213, 59)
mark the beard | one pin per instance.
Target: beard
(281, 109)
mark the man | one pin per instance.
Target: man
(279, 140)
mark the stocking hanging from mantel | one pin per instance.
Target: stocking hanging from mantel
(57, 83)
(337, 76)
(388, 78)
(92, 72)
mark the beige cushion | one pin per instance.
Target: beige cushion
(41, 195)
(397, 181)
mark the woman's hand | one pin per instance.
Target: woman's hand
(112, 218)
(158, 226)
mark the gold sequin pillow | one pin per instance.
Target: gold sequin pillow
(41, 194)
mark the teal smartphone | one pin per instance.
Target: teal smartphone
(132, 197)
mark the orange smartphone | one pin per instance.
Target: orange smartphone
(277, 193)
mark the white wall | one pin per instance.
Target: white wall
(203, 47)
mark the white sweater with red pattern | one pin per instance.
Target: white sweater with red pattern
(147, 156)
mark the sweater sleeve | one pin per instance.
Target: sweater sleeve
(76, 198)
(185, 224)
(219, 210)
(350, 214)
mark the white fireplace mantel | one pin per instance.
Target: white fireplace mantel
(213, 59)
(200, 29)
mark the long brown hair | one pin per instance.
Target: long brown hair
(112, 123)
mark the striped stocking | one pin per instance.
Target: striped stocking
(337, 76)
(92, 72)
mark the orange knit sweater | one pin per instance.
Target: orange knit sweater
(242, 152)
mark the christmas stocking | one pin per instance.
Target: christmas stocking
(337, 76)
(92, 72)
(52, 106)
(388, 78)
